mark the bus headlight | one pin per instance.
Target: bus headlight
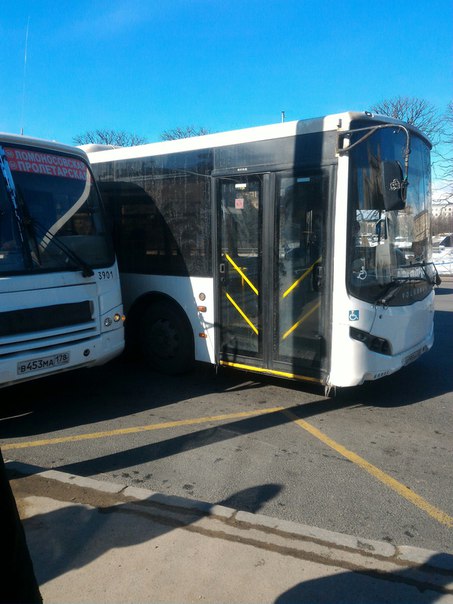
(117, 318)
(374, 343)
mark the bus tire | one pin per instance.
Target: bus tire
(166, 339)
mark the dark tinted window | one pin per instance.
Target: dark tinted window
(162, 213)
(60, 210)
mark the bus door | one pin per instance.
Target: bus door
(269, 258)
(299, 273)
(240, 205)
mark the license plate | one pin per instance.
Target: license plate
(49, 362)
(414, 356)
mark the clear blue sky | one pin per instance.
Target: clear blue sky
(145, 66)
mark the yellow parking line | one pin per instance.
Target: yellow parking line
(418, 501)
(137, 429)
(390, 482)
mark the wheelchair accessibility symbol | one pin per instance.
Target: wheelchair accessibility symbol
(354, 315)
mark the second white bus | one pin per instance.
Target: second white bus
(299, 250)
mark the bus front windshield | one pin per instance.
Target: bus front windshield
(50, 214)
(389, 251)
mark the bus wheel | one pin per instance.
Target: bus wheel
(166, 339)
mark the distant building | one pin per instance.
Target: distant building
(441, 207)
(442, 213)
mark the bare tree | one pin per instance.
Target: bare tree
(414, 111)
(437, 126)
(446, 154)
(442, 223)
(117, 138)
(187, 132)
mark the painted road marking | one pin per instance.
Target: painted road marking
(388, 480)
(374, 471)
(137, 429)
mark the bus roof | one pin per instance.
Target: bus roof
(339, 121)
(39, 143)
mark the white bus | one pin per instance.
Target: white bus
(60, 298)
(300, 249)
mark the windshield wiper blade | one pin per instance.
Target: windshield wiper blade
(433, 279)
(34, 227)
(86, 269)
(18, 209)
(392, 288)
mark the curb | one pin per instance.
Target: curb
(404, 556)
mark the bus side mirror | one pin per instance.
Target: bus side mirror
(394, 186)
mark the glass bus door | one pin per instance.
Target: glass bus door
(240, 267)
(299, 269)
(270, 240)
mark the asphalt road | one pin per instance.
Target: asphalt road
(375, 462)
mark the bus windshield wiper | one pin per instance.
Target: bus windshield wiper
(34, 227)
(433, 278)
(86, 269)
(392, 288)
(18, 209)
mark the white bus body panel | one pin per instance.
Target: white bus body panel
(409, 329)
(29, 354)
(186, 292)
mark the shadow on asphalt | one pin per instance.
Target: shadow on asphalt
(124, 387)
